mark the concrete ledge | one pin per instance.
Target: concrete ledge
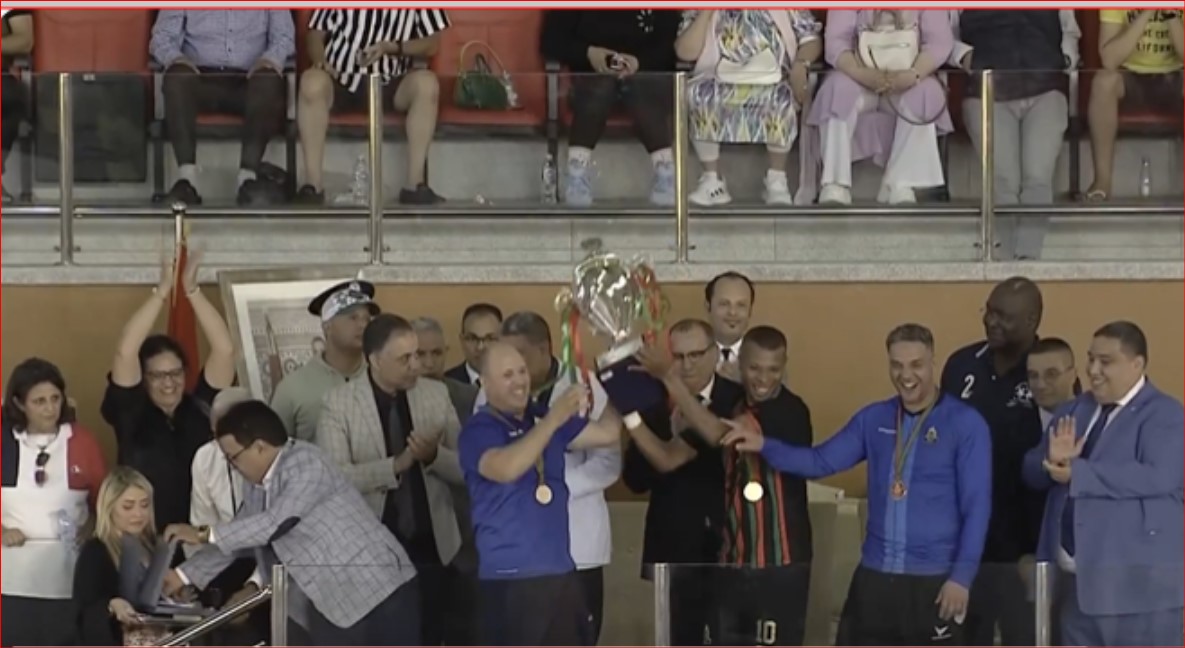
(674, 273)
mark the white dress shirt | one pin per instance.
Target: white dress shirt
(1065, 560)
(729, 353)
(217, 490)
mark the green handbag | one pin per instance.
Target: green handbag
(480, 88)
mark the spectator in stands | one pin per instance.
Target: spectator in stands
(891, 115)
(729, 298)
(750, 78)
(345, 46)
(223, 61)
(17, 26)
(614, 57)
(159, 427)
(52, 469)
(1031, 113)
(481, 324)
(344, 311)
(1142, 50)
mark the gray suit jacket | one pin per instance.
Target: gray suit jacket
(352, 435)
(338, 553)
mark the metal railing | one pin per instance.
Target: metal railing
(376, 212)
(218, 619)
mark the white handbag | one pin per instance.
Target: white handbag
(761, 69)
(891, 50)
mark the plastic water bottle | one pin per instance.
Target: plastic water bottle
(1146, 178)
(360, 188)
(67, 529)
(549, 180)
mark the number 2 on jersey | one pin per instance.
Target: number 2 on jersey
(968, 384)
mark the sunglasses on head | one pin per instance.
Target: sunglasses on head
(39, 476)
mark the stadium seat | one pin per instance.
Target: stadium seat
(110, 41)
(511, 37)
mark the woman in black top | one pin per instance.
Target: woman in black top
(159, 426)
(124, 509)
(17, 32)
(616, 56)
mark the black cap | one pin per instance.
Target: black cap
(342, 297)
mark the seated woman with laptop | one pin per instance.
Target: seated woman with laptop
(120, 571)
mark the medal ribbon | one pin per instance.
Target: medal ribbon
(571, 352)
(900, 449)
(752, 469)
(505, 421)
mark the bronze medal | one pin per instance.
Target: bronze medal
(543, 494)
(898, 490)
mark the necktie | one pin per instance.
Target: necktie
(1092, 439)
(477, 382)
(726, 353)
(401, 498)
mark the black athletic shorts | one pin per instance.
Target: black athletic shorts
(759, 606)
(895, 610)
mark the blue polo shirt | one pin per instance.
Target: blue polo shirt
(939, 526)
(517, 537)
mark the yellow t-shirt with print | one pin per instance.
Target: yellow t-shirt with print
(1154, 53)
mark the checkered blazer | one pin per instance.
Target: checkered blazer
(337, 552)
(352, 436)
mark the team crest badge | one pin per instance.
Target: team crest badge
(931, 435)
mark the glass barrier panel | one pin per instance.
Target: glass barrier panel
(772, 182)
(1078, 174)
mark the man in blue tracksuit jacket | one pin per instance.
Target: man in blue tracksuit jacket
(929, 500)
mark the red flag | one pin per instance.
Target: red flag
(182, 322)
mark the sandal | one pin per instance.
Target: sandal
(1096, 196)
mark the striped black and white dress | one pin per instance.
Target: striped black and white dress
(348, 32)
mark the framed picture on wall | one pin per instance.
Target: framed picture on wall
(267, 312)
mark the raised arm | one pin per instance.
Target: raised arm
(842, 451)
(125, 368)
(601, 433)
(664, 456)
(220, 362)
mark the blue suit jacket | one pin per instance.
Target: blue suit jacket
(1128, 513)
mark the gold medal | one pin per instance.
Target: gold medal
(898, 490)
(543, 494)
(753, 491)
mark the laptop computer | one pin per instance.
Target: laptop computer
(142, 585)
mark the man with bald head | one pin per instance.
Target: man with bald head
(512, 451)
(992, 376)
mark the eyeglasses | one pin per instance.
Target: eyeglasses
(690, 356)
(233, 459)
(161, 376)
(39, 476)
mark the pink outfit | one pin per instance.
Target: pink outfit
(839, 96)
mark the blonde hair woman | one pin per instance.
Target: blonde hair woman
(124, 512)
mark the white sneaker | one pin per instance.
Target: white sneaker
(896, 195)
(777, 190)
(711, 191)
(833, 194)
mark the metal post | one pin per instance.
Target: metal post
(279, 605)
(66, 168)
(375, 149)
(218, 619)
(682, 242)
(662, 602)
(1043, 582)
(987, 158)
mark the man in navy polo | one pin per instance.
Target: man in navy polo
(992, 376)
(512, 453)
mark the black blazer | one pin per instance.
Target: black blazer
(686, 511)
(96, 582)
(459, 374)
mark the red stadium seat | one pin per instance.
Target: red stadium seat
(513, 36)
(91, 41)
